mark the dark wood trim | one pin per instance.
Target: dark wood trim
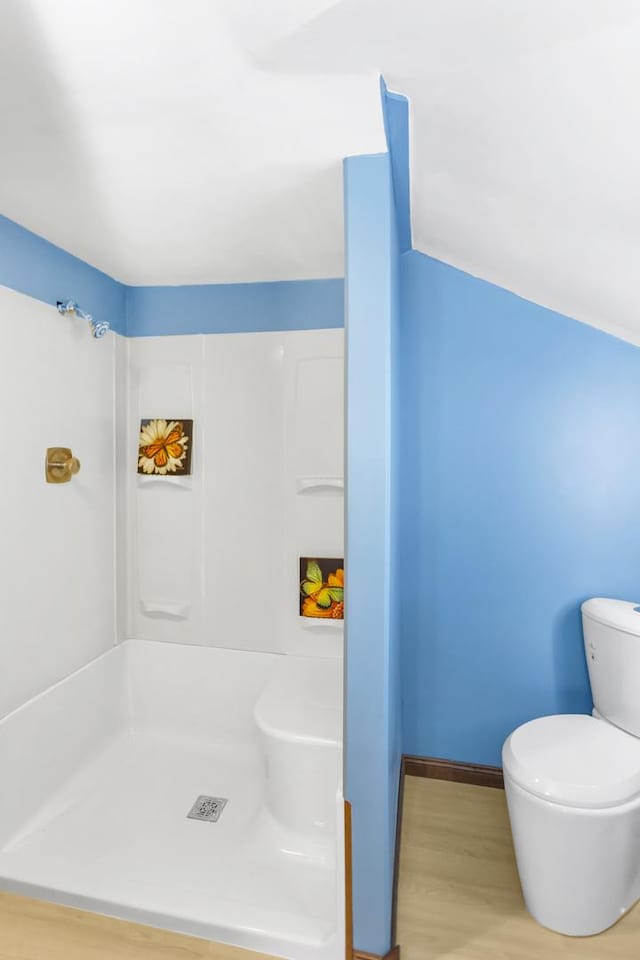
(396, 856)
(393, 954)
(475, 773)
(348, 883)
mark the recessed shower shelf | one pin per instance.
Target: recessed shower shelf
(319, 485)
(184, 483)
(165, 609)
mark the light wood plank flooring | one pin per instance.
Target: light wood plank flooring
(459, 895)
(32, 930)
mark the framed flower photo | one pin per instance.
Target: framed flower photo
(164, 447)
(322, 588)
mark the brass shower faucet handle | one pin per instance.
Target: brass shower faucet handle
(60, 465)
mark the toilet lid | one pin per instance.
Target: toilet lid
(574, 759)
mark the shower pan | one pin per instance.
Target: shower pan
(106, 767)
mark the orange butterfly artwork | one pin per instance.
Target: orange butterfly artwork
(164, 447)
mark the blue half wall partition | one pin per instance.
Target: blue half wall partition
(373, 715)
(395, 113)
(34, 266)
(521, 498)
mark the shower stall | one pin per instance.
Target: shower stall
(171, 741)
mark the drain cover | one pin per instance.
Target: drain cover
(207, 808)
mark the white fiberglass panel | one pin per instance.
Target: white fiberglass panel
(57, 560)
(214, 557)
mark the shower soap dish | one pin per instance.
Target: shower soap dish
(165, 609)
(319, 484)
(185, 482)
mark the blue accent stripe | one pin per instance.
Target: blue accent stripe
(38, 268)
(235, 307)
(395, 110)
(32, 265)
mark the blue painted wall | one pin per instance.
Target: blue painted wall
(373, 721)
(395, 114)
(396, 117)
(34, 266)
(521, 497)
(235, 307)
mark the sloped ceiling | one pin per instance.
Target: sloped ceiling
(143, 136)
(525, 153)
(200, 140)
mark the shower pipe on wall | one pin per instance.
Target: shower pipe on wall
(98, 327)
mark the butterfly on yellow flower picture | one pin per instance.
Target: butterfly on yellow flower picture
(322, 588)
(164, 447)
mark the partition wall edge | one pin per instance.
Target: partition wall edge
(372, 733)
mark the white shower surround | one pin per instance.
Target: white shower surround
(106, 740)
(105, 765)
(223, 545)
(57, 557)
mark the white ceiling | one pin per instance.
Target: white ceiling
(200, 140)
(142, 136)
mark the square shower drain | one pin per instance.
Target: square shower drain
(207, 808)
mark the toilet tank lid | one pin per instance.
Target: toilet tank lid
(620, 614)
(575, 760)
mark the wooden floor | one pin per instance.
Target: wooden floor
(459, 895)
(32, 930)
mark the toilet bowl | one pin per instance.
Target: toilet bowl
(573, 788)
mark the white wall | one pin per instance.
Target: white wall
(56, 541)
(222, 547)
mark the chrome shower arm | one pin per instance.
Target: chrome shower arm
(98, 327)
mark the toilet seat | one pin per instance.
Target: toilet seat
(574, 760)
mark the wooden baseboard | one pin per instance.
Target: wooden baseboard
(474, 773)
(396, 856)
(392, 955)
(348, 883)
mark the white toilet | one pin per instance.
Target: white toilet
(573, 788)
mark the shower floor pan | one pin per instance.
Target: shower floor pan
(105, 768)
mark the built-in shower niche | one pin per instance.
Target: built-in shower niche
(164, 490)
(165, 570)
(315, 480)
(104, 769)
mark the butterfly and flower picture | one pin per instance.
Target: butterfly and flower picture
(322, 588)
(164, 447)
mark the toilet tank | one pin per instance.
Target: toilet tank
(612, 646)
